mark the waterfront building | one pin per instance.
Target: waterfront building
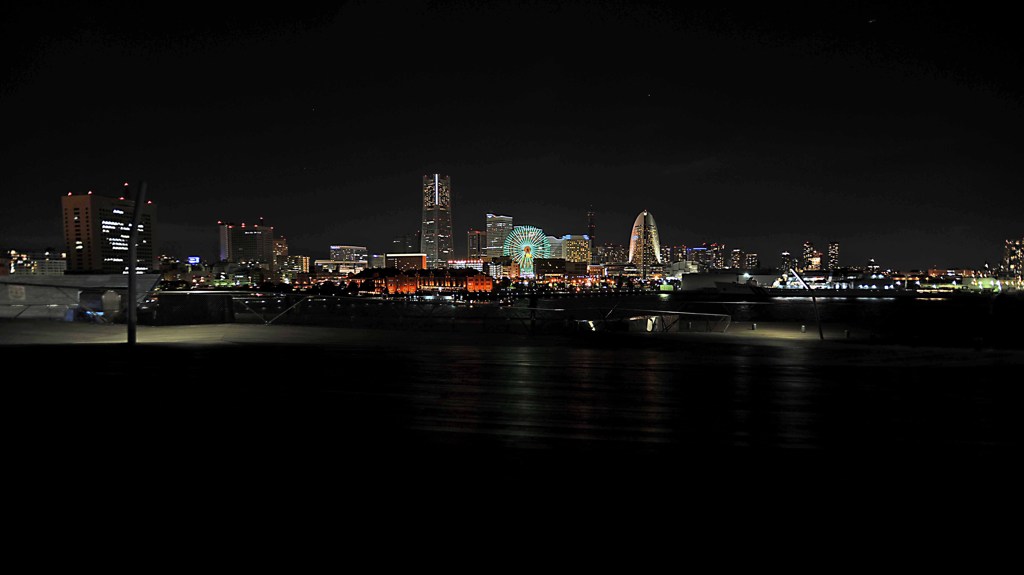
(613, 253)
(751, 261)
(498, 228)
(376, 261)
(644, 244)
(436, 231)
(97, 229)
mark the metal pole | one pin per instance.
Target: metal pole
(814, 302)
(140, 198)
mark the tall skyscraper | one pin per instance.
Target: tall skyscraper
(1013, 258)
(788, 262)
(498, 228)
(97, 229)
(736, 259)
(476, 244)
(808, 254)
(833, 256)
(702, 256)
(247, 244)
(644, 244)
(719, 259)
(752, 262)
(436, 238)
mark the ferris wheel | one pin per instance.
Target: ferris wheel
(523, 244)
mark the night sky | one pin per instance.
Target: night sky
(894, 130)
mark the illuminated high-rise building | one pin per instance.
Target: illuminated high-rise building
(719, 257)
(644, 244)
(788, 262)
(48, 262)
(341, 253)
(476, 244)
(736, 259)
(808, 253)
(614, 253)
(280, 253)
(752, 262)
(814, 264)
(97, 228)
(833, 256)
(576, 248)
(436, 238)
(1013, 258)
(247, 244)
(701, 256)
(498, 228)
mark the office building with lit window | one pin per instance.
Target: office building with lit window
(476, 244)
(436, 237)
(808, 254)
(576, 248)
(736, 259)
(406, 261)
(498, 228)
(833, 256)
(349, 253)
(701, 257)
(248, 244)
(1013, 259)
(97, 229)
(788, 262)
(645, 245)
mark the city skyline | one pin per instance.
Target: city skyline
(889, 129)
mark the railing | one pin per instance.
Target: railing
(347, 311)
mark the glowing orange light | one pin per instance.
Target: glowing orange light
(69, 193)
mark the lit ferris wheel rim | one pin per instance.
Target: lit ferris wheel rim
(526, 242)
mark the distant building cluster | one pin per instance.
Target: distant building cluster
(97, 231)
